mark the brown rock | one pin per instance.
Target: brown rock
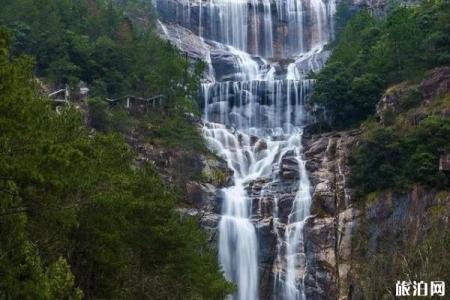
(436, 85)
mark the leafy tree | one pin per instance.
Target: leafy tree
(389, 159)
(78, 218)
(23, 273)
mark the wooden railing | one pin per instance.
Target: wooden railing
(155, 101)
(54, 96)
(62, 96)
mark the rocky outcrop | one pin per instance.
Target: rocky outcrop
(436, 84)
(403, 96)
(197, 177)
(390, 103)
(327, 161)
(185, 40)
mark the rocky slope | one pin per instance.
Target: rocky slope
(344, 232)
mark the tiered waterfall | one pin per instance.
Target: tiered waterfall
(259, 55)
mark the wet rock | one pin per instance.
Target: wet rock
(327, 160)
(285, 206)
(261, 145)
(347, 222)
(253, 140)
(224, 64)
(312, 61)
(203, 196)
(267, 242)
(210, 222)
(255, 186)
(185, 40)
(324, 201)
(312, 165)
(328, 233)
(289, 168)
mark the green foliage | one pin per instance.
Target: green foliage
(77, 218)
(99, 115)
(23, 273)
(179, 132)
(343, 15)
(390, 159)
(98, 42)
(372, 54)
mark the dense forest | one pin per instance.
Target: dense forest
(78, 218)
(372, 54)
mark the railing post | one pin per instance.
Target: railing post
(67, 93)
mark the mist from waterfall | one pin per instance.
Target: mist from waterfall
(254, 118)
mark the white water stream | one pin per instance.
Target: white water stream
(256, 120)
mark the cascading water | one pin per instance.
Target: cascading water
(253, 111)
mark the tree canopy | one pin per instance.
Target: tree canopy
(77, 217)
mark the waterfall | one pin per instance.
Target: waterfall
(254, 114)
(258, 109)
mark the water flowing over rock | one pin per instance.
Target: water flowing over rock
(267, 28)
(253, 98)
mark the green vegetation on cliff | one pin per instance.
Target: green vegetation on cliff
(77, 217)
(107, 44)
(392, 158)
(401, 63)
(112, 47)
(371, 55)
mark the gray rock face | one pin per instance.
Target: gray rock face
(332, 262)
(320, 242)
(390, 102)
(328, 231)
(435, 85)
(184, 39)
(203, 20)
(203, 196)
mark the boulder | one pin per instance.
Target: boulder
(289, 168)
(390, 101)
(261, 146)
(437, 84)
(203, 196)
